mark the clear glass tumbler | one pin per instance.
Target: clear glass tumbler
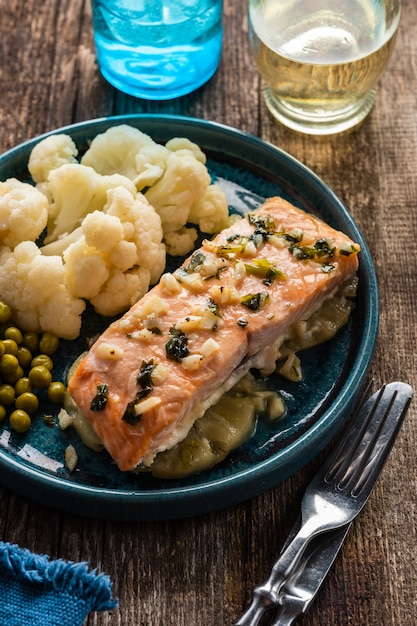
(158, 49)
(320, 60)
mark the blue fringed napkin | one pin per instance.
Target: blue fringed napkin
(40, 592)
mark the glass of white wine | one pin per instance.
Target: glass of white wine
(320, 60)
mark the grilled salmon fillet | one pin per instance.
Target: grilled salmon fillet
(158, 368)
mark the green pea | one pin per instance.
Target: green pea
(22, 385)
(39, 376)
(13, 377)
(42, 359)
(2, 412)
(5, 312)
(20, 421)
(7, 395)
(2, 349)
(27, 402)
(24, 356)
(8, 364)
(10, 346)
(12, 332)
(56, 392)
(48, 343)
(31, 341)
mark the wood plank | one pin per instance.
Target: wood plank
(202, 570)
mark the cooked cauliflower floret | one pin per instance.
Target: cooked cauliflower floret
(104, 241)
(77, 190)
(126, 150)
(49, 154)
(210, 213)
(141, 225)
(173, 177)
(33, 285)
(184, 182)
(181, 241)
(85, 269)
(118, 254)
(182, 146)
(119, 288)
(151, 163)
(23, 212)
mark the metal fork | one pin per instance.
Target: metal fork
(339, 491)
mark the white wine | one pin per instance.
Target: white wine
(320, 62)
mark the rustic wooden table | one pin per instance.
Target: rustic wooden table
(202, 570)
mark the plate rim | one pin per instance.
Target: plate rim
(198, 499)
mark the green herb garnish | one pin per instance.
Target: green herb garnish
(255, 301)
(144, 379)
(320, 249)
(177, 347)
(292, 237)
(264, 225)
(155, 330)
(302, 252)
(99, 402)
(323, 248)
(348, 251)
(130, 416)
(225, 251)
(196, 261)
(214, 308)
(265, 269)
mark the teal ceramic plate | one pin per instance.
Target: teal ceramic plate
(247, 169)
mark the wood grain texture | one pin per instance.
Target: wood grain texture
(202, 570)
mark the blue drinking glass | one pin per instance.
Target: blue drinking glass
(158, 49)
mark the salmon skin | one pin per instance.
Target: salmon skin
(158, 368)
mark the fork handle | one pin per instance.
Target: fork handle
(287, 614)
(265, 596)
